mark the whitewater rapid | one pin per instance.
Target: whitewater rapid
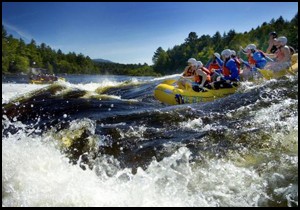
(259, 167)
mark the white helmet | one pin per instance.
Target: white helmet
(233, 53)
(191, 60)
(199, 64)
(282, 39)
(251, 47)
(226, 53)
(217, 55)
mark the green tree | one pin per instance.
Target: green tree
(161, 62)
(4, 33)
(157, 54)
(192, 43)
(192, 38)
(292, 36)
(217, 39)
(21, 64)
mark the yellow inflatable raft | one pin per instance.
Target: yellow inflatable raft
(269, 74)
(168, 93)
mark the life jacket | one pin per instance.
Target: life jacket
(262, 52)
(251, 60)
(190, 72)
(250, 57)
(213, 66)
(280, 54)
(292, 50)
(226, 71)
(198, 78)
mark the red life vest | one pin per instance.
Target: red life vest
(250, 57)
(198, 78)
(225, 70)
(205, 70)
(190, 72)
(279, 53)
(251, 60)
(213, 66)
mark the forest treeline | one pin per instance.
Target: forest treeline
(174, 60)
(19, 57)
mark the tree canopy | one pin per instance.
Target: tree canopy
(201, 48)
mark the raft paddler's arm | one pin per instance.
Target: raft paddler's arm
(186, 78)
(220, 62)
(245, 62)
(242, 50)
(269, 55)
(204, 77)
(185, 71)
(252, 68)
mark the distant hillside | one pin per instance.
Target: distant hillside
(100, 60)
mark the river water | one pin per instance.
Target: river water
(96, 140)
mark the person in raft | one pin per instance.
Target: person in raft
(282, 57)
(202, 78)
(230, 72)
(214, 67)
(188, 75)
(256, 58)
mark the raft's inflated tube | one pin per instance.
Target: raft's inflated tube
(171, 94)
(269, 74)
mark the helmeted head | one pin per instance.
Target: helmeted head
(251, 47)
(233, 53)
(191, 61)
(199, 64)
(282, 40)
(217, 55)
(273, 34)
(275, 42)
(226, 53)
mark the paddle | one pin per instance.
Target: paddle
(247, 64)
(269, 59)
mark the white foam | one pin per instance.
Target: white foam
(35, 173)
(11, 90)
